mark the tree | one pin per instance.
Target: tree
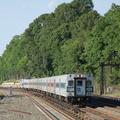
(102, 40)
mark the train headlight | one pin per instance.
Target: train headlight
(70, 89)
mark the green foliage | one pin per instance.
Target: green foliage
(69, 12)
(116, 93)
(1, 81)
(74, 38)
(101, 41)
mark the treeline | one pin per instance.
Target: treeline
(74, 38)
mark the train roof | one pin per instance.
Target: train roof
(66, 75)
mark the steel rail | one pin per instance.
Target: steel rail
(56, 109)
(43, 109)
(103, 113)
(20, 111)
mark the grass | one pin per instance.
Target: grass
(117, 93)
(8, 81)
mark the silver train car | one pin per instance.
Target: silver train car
(71, 88)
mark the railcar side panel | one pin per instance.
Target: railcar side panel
(51, 84)
(60, 85)
(44, 84)
(39, 84)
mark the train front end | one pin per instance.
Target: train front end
(79, 88)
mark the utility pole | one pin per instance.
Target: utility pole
(102, 79)
(102, 65)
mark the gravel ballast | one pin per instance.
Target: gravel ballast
(19, 107)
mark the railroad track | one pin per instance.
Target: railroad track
(105, 108)
(63, 108)
(76, 112)
(101, 114)
(49, 110)
(96, 110)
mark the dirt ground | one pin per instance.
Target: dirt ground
(18, 107)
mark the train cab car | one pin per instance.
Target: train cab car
(79, 88)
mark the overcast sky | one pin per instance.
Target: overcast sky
(16, 15)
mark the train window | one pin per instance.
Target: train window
(52, 84)
(89, 84)
(57, 84)
(62, 85)
(44, 84)
(79, 83)
(70, 83)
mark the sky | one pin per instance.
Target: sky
(16, 15)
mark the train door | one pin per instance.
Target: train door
(80, 87)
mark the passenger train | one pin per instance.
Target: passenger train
(71, 88)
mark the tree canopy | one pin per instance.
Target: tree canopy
(74, 38)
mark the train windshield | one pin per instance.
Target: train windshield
(79, 83)
(70, 83)
(89, 84)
